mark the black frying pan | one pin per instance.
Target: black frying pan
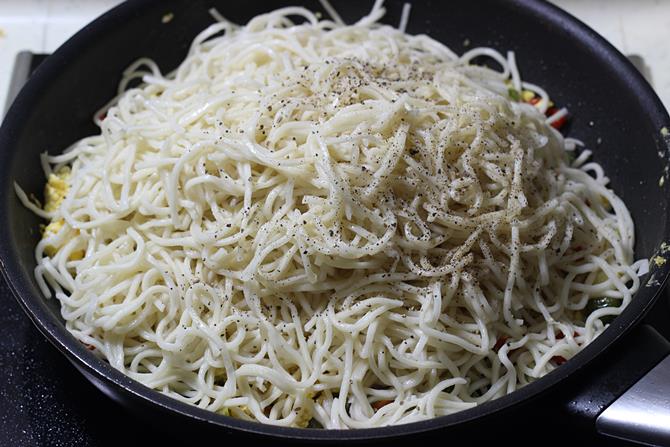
(614, 111)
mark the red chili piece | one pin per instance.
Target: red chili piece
(381, 403)
(559, 360)
(500, 342)
(559, 122)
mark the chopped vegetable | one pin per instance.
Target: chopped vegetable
(514, 94)
(381, 403)
(500, 342)
(527, 96)
(559, 122)
(560, 335)
(600, 303)
(558, 360)
(531, 98)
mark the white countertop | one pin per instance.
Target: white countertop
(640, 27)
(40, 26)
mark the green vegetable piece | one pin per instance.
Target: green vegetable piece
(514, 94)
(600, 303)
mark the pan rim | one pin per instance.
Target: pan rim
(55, 331)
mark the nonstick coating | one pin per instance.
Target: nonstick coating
(614, 112)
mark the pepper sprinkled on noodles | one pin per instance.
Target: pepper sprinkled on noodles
(318, 224)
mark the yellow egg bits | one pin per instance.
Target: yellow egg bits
(55, 191)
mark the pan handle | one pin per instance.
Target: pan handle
(626, 394)
(642, 413)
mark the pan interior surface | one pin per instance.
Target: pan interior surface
(614, 112)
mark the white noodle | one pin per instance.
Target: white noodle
(404, 18)
(332, 12)
(344, 223)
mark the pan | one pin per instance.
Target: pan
(616, 114)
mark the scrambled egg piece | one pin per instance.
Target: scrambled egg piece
(527, 95)
(659, 260)
(51, 229)
(305, 412)
(55, 191)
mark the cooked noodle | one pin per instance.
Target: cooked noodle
(341, 223)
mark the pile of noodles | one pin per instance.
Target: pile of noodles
(343, 225)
